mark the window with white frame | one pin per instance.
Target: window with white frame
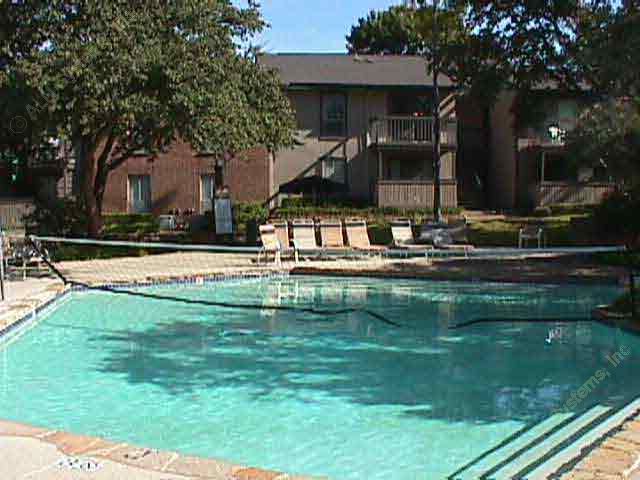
(140, 193)
(207, 192)
(334, 115)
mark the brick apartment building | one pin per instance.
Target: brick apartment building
(365, 122)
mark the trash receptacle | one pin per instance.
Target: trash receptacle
(251, 232)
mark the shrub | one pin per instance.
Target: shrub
(127, 224)
(61, 217)
(245, 212)
(296, 202)
(617, 215)
(542, 212)
(571, 209)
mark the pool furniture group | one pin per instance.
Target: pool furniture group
(306, 238)
(19, 256)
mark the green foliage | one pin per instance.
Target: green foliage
(605, 54)
(618, 215)
(563, 209)
(620, 259)
(130, 224)
(120, 76)
(542, 212)
(296, 202)
(622, 304)
(248, 212)
(389, 31)
(527, 42)
(559, 209)
(608, 133)
(606, 48)
(437, 32)
(381, 215)
(65, 218)
(62, 253)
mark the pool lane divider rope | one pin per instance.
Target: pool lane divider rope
(314, 311)
(478, 321)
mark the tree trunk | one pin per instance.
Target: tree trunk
(89, 164)
(437, 163)
(437, 204)
(94, 175)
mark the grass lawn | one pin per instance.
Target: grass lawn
(504, 233)
(562, 228)
(130, 224)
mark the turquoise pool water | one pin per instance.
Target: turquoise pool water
(348, 396)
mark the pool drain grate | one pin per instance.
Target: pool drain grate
(85, 465)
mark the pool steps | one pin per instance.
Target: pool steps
(539, 451)
(566, 455)
(513, 448)
(549, 444)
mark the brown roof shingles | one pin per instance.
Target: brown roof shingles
(351, 70)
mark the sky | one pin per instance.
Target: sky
(312, 25)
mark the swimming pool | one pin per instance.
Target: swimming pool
(348, 396)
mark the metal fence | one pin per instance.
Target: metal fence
(13, 212)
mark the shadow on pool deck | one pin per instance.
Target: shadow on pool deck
(548, 269)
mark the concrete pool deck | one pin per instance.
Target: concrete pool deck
(35, 453)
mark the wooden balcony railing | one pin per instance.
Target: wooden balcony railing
(415, 193)
(52, 157)
(411, 131)
(36, 163)
(549, 193)
(13, 212)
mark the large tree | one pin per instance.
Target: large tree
(19, 38)
(484, 46)
(389, 31)
(607, 56)
(431, 29)
(120, 76)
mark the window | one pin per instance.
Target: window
(207, 192)
(601, 174)
(334, 115)
(556, 168)
(209, 184)
(335, 169)
(561, 117)
(567, 114)
(140, 193)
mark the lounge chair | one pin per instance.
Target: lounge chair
(531, 232)
(403, 239)
(358, 237)
(22, 255)
(451, 237)
(304, 238)
(282, 232)
(331, 235)
(270, 244)
(402, 234)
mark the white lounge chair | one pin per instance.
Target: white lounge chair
(270, 244)
(358, 237)
(531, 232)
(331, 235)
(304, 238)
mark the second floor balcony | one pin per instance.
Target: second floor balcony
(410, 131)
